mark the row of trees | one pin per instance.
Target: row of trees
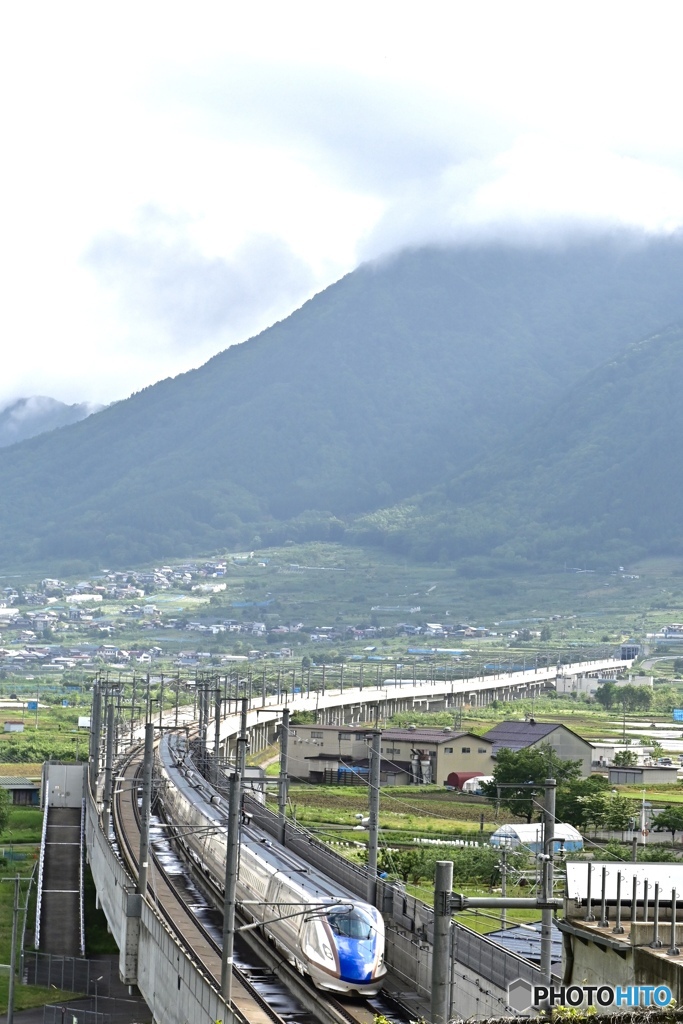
(661, 700)
(629, 697)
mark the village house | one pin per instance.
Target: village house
(330, 753)
(529, 734)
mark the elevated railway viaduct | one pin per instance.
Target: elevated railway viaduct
(175, 985)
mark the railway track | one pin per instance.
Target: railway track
(248, 1005)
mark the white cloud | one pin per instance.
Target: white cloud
(283, 143)
(163, 280)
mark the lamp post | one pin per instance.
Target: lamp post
(96, 983)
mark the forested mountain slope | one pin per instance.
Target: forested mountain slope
(597, 480)
(387, 384)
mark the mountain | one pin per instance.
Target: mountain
(27, 417)
(401, 378)
(596, 478)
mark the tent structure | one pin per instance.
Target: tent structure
(473, 785)
(531, 837)
(459, 780)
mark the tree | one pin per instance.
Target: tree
(531, 765)
(619, 814)
(409, 865)
(578, 799)
(546, 633)
(607, 694)
(669, 820)
(635, 698)
(625, 759)
(594, 808)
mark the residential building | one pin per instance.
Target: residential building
(532, 733)
(409, 755)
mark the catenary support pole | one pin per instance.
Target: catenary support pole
(440, 953)
(217, 734)
(96, 728)
(283, 788)
(549, 851)
(230, 898)
(108, 764)
(503, 885)
(132, 711)
(673, 949)
(244, 736)
(146, 811)
(373, 824)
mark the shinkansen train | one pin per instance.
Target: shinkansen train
(321, 928)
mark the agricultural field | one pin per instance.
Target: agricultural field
(51, 732)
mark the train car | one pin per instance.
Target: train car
(321, 928)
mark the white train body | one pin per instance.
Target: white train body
(321, 928)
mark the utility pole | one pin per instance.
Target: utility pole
(283, 787)
(547, 890)
(13, 952)
(143, 860)
(373, 824)
(443, 885)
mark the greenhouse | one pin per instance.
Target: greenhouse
(530, 837)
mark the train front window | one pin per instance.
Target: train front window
(352, 924)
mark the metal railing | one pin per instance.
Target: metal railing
(81, 883)
(41, 869)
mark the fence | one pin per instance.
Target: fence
(63, 1014)
(70, 973)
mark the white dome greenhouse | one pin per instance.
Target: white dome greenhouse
(531, 837)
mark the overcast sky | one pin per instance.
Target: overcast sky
(177, 177)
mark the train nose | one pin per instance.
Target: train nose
(357, 961)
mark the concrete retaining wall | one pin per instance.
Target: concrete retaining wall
(171, 983)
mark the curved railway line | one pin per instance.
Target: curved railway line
(248, 1005)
